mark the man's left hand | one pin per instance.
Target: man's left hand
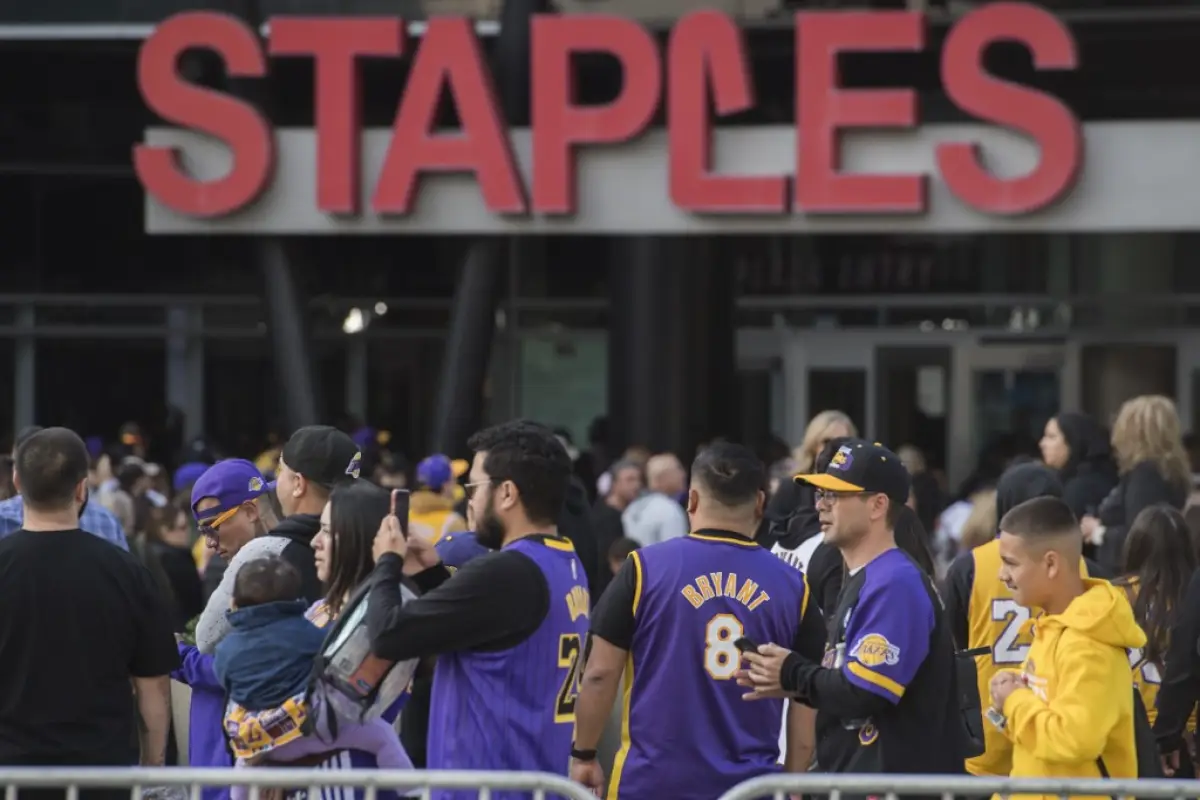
(588, 773)
(764, 674)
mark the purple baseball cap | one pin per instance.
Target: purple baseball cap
(438, 470)
(231, 482)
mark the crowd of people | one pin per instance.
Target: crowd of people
(689, 629)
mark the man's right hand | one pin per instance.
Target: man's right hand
(389, 539)
(422, 554)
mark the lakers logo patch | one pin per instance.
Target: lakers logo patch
(867, 734)
(874, 650)
(842, 459)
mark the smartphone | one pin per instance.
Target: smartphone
(399, 509)
(746, 645)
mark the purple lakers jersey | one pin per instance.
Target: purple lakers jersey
(687, 732)
(514, 710)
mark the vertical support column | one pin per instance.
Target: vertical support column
(636, 350)
(25, 370)
(356, 376)
(472, 325)
(795, 388)
(960, 434)
(459, 406)
(289, 337)
(185, 367)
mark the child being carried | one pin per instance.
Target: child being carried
(265, 665)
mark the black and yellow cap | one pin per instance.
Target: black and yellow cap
(862, 466)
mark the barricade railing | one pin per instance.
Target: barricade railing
(371, 781)
(948, 787)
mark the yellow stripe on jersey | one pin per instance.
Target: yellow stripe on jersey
(637, 580)
(626, 703)
(882, 681)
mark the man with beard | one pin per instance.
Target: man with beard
(885, 692)
(508, 627)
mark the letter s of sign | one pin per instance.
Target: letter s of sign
(1040, 116)
(235, 122)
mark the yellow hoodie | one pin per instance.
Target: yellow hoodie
(1079, 702)
(435, 511)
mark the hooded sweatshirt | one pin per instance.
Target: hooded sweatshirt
(1077, 705)
(982, 612)
(436, 511)
(291, 540)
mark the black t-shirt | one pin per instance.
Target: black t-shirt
(79, 618)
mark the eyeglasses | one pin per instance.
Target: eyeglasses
(470, 488)
(210, 529)
(830, 496)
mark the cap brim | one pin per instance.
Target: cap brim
(460, 467)
(823, 480)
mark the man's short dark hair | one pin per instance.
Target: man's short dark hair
(1040, 518)
(729, 473)
(532, 457)
(49, 465)
(265, 580)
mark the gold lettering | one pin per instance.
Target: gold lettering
(578, 602)
(731, 585)
(747, 592)
(758, 601)
(716, 581)
(706, 590)
(693, 597)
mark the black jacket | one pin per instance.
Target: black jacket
(1090, 473)
(575, 524)
(1141, 487)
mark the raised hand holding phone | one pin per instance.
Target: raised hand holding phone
(391, 537)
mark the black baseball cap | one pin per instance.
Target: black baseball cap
(862, 466)
(323, 455)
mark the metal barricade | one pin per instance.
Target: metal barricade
(371, 781)
(948, 787)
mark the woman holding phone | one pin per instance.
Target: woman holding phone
(351, 519)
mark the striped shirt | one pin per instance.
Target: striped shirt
(96, 520)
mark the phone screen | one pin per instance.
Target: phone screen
(399, 508)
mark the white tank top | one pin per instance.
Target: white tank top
(798, 557)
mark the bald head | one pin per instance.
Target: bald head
(664, 473)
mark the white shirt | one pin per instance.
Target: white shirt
(653, 518)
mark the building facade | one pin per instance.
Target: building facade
(944, 326)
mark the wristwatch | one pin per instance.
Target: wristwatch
(995, 717)
(582, 755)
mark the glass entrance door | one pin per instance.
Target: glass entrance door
(1006, 396)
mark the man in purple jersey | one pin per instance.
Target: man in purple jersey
(508, 627)
(671, 621)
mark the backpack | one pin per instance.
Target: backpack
(1148, 763)
(355, 685)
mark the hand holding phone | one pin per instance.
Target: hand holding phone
(746, 645)
(399, 509)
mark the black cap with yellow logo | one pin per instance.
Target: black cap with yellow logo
(862, 466)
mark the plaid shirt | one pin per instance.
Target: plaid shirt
(96, 520)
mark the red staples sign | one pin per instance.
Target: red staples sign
(519, 176)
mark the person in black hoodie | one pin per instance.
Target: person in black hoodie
(1078, 448)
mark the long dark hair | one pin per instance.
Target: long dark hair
(1160, 557)
(912, 538)
(356, 511)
